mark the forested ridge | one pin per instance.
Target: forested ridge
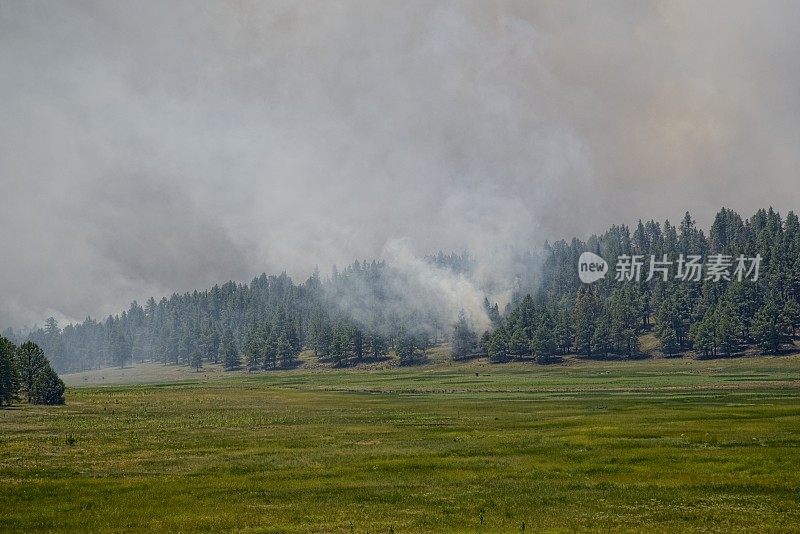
(709, 316)
(361, 312)
(353, 313)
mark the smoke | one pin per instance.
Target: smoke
(153, 147)
(424, 286)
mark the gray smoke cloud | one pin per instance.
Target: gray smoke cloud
(151, 147)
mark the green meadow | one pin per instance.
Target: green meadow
(658, 444)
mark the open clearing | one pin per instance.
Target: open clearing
(647, 445)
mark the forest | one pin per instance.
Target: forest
(360, 313)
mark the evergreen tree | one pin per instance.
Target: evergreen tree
(601, 337)
(209, 344)
(791, 311)
(38, 381)
(51, 328)
(271, 351)
(564, 331)
(52, 342)
(624, 322)
(340, 344)
(493, 312)
(669, 340)
(9, 378)
(228, 351)
(497, 346)
(405, 348)
(587, 309)
(121, 348)
(771, 329)
(543, 344)
(702, 334)
(465, 340)
(254, 348)
(284, 351)
(358, 343)
(727, 329)
(47, 388)
(197, 360)
(30, 361)
(672, 321)
(519, 344)
(377, 344)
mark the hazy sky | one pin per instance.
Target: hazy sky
(152, 147)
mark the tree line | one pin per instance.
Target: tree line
(353, 315)
(364, 312)
(711, 317)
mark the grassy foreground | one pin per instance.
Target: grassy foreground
(651, 445)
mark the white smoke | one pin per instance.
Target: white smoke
(152, 147)
(428, 287)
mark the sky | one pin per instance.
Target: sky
(151, 147)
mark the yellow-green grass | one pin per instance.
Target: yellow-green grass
(659, 445)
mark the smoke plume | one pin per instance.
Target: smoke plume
(151, 147)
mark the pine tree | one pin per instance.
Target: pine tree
(564, 331)
(519, 344)
(727, 329)
(601, 337)
(121, 348)
(587, 309)
(37, 379)
(672, 320)
(30, 361)
(377, 344)
(497, 346)
(465, 340)
(228, 351)
(358, 343)
(669, 340)
(340, 344)
(284, 351)
(493, 312)
(9, 378)
(405, 348)
(286, 341)
(197, 360)
(254, 348)
(188, 341)
(209, 344)
(771, 328)
(543, 344)
(791, 311)
(625, 322)
(271, 351)
(702, 335)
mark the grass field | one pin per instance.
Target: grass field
(660, 445)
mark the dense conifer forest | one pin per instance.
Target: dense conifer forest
(710, 315)
(362, 313)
